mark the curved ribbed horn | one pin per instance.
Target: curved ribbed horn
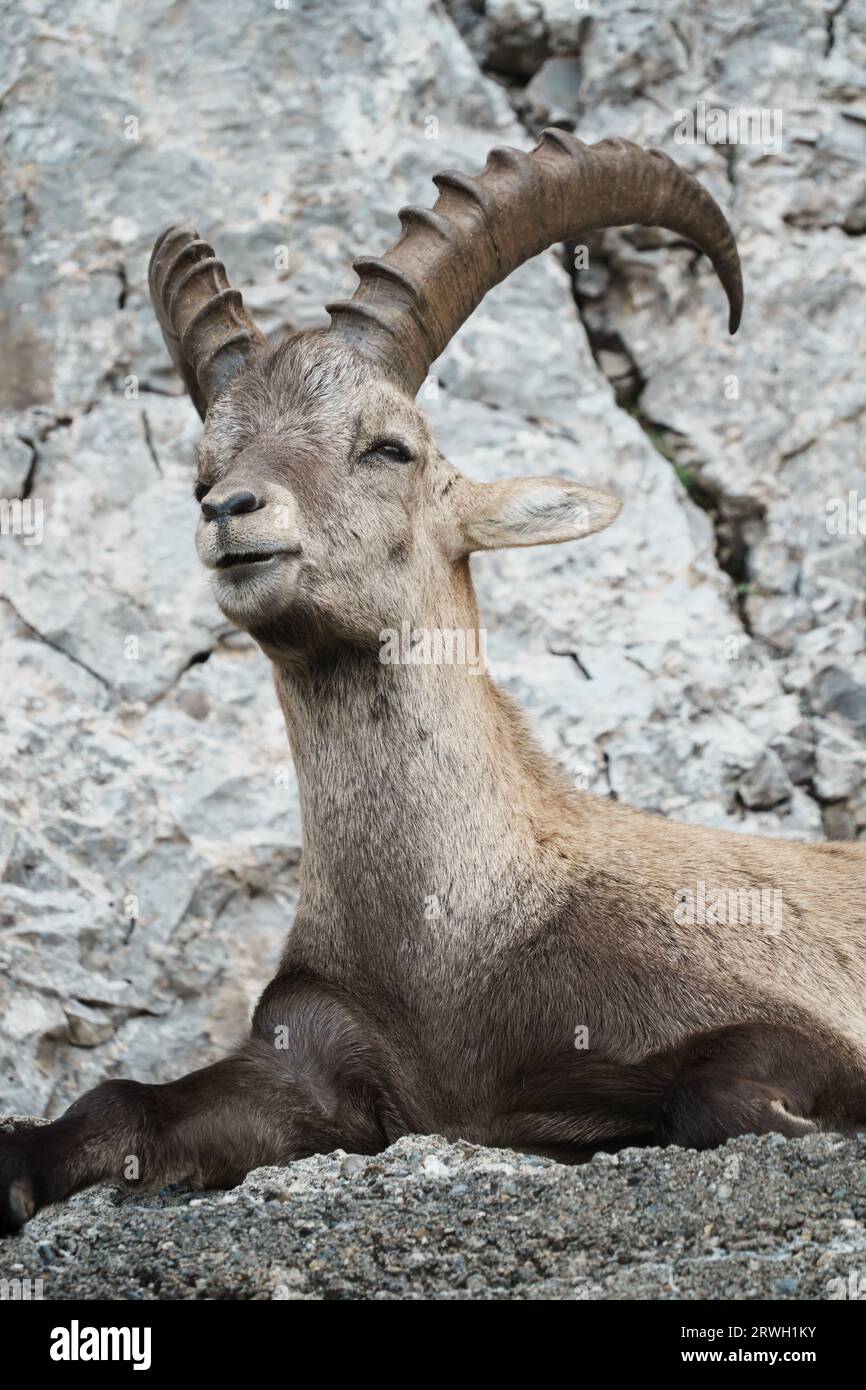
(411, 301)
(206, 328)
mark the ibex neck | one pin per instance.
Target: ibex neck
(421, 792)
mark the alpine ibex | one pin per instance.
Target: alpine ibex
(328, 516)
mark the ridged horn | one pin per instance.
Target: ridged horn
(206, 328)
(411, 301)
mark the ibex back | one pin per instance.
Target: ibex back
(478, 950)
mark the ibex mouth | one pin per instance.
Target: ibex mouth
(246, 557)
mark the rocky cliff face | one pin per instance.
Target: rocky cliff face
(703, 658)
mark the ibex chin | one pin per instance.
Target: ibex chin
(329, 516)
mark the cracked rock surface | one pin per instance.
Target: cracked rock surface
(702, 658)
(761, 1218)
(766, 429)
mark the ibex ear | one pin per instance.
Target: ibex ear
(534, 511)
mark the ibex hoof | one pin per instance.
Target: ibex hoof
(17, 1194)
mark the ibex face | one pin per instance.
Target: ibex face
(327, 511)
(319, 502)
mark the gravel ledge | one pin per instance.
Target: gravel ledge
(761, 1218)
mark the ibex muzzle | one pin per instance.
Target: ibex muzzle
(477, 951)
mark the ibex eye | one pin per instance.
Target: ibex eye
(392, 449)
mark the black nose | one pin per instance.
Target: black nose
(235, 505)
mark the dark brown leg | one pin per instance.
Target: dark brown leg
(298, 1086)
(758, 1079)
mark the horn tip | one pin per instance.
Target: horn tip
(186, 228)
(170, 233)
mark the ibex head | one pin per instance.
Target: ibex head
(327, 512)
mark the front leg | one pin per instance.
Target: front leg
(303, 1083)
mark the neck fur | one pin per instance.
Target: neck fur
(422, 793)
